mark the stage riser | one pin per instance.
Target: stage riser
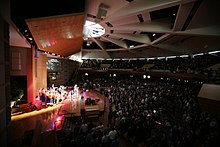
(92, 113)
(92, 118)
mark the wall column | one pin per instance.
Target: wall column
(5, 111)
(39, 71)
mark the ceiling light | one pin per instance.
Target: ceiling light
(69, 35)
(169, 57)
(87, 44)
(131, 46)
(92, 29)
(200, 54)
(154, 34)
(213, 52)
(161, 57)
(184, 56)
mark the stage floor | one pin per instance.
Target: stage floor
(74, 106)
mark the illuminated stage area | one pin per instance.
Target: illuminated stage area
(51, 118)
(75, 106)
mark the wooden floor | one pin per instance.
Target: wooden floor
(74, 106)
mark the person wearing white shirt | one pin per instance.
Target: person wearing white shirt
(112, 134)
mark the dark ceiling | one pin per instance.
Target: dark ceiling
(26, 9)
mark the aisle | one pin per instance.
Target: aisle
(70, 124)
(123, 141)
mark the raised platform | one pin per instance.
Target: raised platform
(24, 122)
(50, 116)
(73, 107)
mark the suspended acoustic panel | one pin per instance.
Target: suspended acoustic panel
(61, 34)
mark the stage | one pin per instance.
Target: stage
(74, 106)
(52, 117)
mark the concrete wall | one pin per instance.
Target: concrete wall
(209, 98)
(39, 72)
(210, 91)
(25, 62)
(5, 112)
(21, 65)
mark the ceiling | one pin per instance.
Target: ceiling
(51, 26)
(60, 34)
(133, 28)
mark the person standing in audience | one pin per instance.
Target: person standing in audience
(112, 134)
(84, 128)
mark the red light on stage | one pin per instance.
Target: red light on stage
(58, 123)
(59, 118)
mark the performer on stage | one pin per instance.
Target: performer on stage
(42, 96)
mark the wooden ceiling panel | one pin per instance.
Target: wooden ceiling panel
(60, 34)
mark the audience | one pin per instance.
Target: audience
(192, 65)
(153, 113)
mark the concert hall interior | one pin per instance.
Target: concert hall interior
(110, 73)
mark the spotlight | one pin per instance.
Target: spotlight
(88, 44)
(131, 46)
